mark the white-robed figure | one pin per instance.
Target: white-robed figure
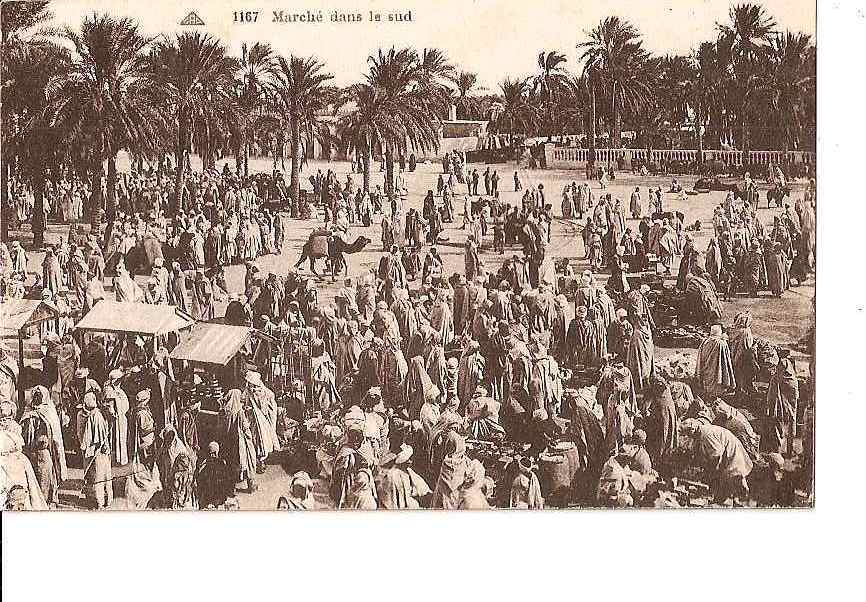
(17, 476)
(323, 373)
(117, 407)
(44, 406)
(95, 447)
(261, 407)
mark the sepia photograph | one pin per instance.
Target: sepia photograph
(368, 256)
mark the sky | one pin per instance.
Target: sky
(494, 38)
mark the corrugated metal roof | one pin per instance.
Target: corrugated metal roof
(211, 343)
(144, 318)
(16, 313)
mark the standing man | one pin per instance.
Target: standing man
(215, 484)
(95, 439)
(116, 405)
(783, 396)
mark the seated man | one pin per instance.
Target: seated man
(635, 455)
(482, 413)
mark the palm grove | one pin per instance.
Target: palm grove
(72, 99)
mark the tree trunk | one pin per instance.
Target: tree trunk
(593, 119)
(389, 174)
(699, 134)
(96, 200)
(366, 167)
(111, 199)
(205, 151)
(4, 200)
(111, 188)
(180, 168)
(239, 158)
(613, 130)
(246, 159)
(295, 184)
(38, 222)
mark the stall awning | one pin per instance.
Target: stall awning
(138, 318)
(15, 314)
(210, 343)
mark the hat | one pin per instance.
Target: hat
(143, 395)
(570, 393)
(51, 338)
(90, 400)
(158, 262)
(7, 409)
(404, 454)
(354, 416)
(540, 414)
(621, 313)
(480, 391)
(82, 372)
(213, 447)
(639, 437)
(644, 288)
(690, 425)
(776, 462)
(253, 378)
(115, 374)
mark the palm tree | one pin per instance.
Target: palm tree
(743, 43)
(194, 78)
(413, 98)
(549, 83)
(588, 80)
(364, 125)
(105, 100)
(790, 77)
(38, 146)
(512, 113)
(465, 82)
(614, 59)
(257, 64)
(300, 97)
(435, 73)
(18, 20)
(706, 91)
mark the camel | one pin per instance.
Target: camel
(139, 259)
(335, 257)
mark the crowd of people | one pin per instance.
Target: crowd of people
(486, 388)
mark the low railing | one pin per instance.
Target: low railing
(607, 155)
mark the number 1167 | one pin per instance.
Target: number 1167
(246, 16)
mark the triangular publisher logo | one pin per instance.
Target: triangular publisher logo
(192, 19)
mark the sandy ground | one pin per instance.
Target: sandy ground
(783, 321)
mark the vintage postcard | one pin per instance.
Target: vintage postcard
(340, 255)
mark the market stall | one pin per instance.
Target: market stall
(212, 358)
(224, 351)
(139, 338)
(19, 316)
